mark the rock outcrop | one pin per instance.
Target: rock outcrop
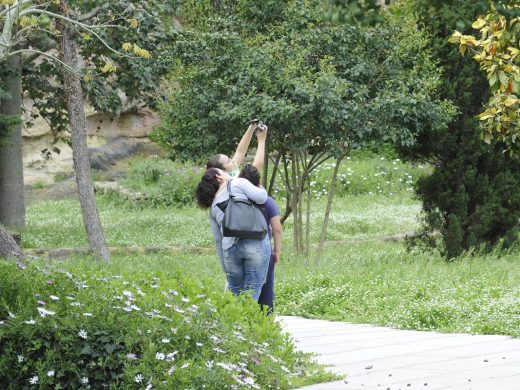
(109, 138)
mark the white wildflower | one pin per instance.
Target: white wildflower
(160, 356)
(84, 380)
(138, 378)
(83, 334)
(21, 358)
(171, 356)
(54, 297)
(44, 312)
(34, 380)
(30, 322)
(50, 373)
(225, 366)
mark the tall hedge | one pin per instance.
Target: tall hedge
(473, 195)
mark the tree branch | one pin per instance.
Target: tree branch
(75, 23)
(89, 15)
(51, 57)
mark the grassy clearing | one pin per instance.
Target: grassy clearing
(363, 277)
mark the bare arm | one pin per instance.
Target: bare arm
(243, 145)
(258, 162)
(276, 229)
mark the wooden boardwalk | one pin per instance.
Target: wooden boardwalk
(375, 358)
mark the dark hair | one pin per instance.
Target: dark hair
(207, 188)
(214, 162)
(250, 173)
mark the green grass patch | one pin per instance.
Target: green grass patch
(362, 276)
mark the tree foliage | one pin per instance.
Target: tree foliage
(471, 197)
(322, 87)
(113, 37)
(497, 51)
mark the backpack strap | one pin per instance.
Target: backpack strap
(229, 189)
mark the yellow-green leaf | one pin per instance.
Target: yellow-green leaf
(510, 101)
(479, 23)
(455, 37)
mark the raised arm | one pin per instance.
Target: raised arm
(258, 162)
(256, 194)
(276, 229)
(243, 145)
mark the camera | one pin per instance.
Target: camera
(258, 122)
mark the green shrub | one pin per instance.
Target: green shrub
(473, 195)
(38, 185)
(61, 176)
(162, 182)
(62, 330)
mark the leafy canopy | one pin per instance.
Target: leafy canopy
(123, 45)
(320, 86)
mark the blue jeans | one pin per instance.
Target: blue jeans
(246, 264)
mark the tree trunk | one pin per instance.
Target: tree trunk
(308, 225)
(323, 236)
(12, 199)
(8, 247)
(76, 113)
(266, 163)
(274, 173)
(294, 199)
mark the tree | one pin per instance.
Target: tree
(12, 205)
(324, 88)
(497, 51)
(103, 28)
(472, 195)
(9, 248)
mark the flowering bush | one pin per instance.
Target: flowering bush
(64, 330)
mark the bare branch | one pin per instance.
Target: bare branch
(89, 15)
(77, 24)
(11, 8)
(51, 57)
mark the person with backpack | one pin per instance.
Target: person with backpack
(244, 260)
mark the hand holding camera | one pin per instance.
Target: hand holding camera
(261, 126)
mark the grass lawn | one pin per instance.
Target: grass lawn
(363, 277)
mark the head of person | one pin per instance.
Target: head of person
(220, 161)
(209, 185)
(250, 173)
